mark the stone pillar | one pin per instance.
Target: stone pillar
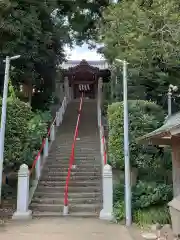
(176, 165)
(38, 168)
(22, 211)
(52, 133)
(107, 211)
(57, 119)
(46, 148)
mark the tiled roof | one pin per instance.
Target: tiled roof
(170, 123)
(101, 64)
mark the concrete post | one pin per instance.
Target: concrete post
(52, 133)
(38, 168)
(63, 107)
(57, 119)
(46, 148)
(60, 115)
(107, 211)
(22, 211)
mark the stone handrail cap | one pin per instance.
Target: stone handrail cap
(107, 167)
(24, 168)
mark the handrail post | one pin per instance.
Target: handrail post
(52, 133)
(38, 167)
(65, 210)
(46, 147)
(57, 119)
(60, 115)
(107, 211)
(22, 211)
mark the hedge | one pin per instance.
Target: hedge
(144, 117)
(24, 132)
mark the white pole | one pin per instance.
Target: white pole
(126, 150)
(3, 119)
(169, 102)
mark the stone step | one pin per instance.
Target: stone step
(78, 162)
(60, 170)
(53, 160)
(70, 194)
(73, 177)
(66, 155)
(66, 158)
(66, 165)
(59, 207)
(71, 183)
(73, 173)
(59, 214)
(71, 189)
(61, 200)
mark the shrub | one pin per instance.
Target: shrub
(18, 116)
(147, 198)
(119, 210)
(24, 133)
(118, 192)
(144, 117)
(152, 215)
(146, 194)
(37, 130)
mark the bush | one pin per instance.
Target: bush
(147, 198)
(37, 130)
(18, 116)
(119, 210)
(144, 117)
(146, 194)
(24, 133)
(152, 215)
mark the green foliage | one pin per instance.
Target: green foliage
(119, 211)
(118, 192)
(152, 215)
(148, 199)
(18, 116)
(24, 133)
(39, 31)
(147, 36)
(146, 194)
(37, 130)
(144, 117)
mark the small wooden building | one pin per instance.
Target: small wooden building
(168, 134)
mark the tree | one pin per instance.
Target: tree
(147, 36)
(39, 30)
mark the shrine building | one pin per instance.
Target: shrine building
(84, 76)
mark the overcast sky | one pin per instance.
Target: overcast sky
(79, 53)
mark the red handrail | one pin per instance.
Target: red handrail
(71, 159)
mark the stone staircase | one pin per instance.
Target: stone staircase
(85, 182)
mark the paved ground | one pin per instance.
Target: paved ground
(64, 229)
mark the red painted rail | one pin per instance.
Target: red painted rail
(71, 159)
